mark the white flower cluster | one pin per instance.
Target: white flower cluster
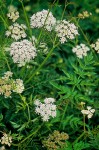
(96, 46)
(22, 52)
(6, 139)
(2, 148)
(81, 50)
(7, 75)
(16, 31)
(89, 112)
(14, 15)
(66, 30)
(44, 19)
(18, 86)
(9, 85)
(46, 109)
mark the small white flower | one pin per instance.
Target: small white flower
(89, 112)
(90, 115)
(89, 107)
(53, 114)
(81, 50)
(37, 102)
(49, 100)
(37, 110)
(85, 112)
(92, 110)
(95, 46)
(7, 75)
(45, 118)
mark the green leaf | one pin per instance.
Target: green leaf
(15, 125)
(1, 117)
(67, 146)
(80, 146)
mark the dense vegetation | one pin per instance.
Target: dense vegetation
(49, 66)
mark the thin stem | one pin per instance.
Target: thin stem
(6, 61)
(63, 115)
(86, 38)
(28, 113)
(84, 122)
(79, 137)
(42, 29)
(27, 21)
(64, 10)
(38, 69)
(33, 133)
(5, 24)
(44, 24)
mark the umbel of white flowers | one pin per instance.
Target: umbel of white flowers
(81, 50)
(16, 31)
(44, 19)
(66, 30)
(46, 109)
(95, 46)
(14, 15)
(22, 52)
(89, 112)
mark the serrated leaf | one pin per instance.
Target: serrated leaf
(80, 146)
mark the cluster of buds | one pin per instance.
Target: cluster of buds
(9, 85)
(6, 140)
(56, 140)
(84, 14)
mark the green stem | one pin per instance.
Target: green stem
(27, 21)
(63, 115)
(84, 35)
(42, 29)
(38, 69)
(28, 113)
(44, 25)
(84, 122)
(6, 61)
(33, 133)
(79, 137)
(64, 10)
(3, 20)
